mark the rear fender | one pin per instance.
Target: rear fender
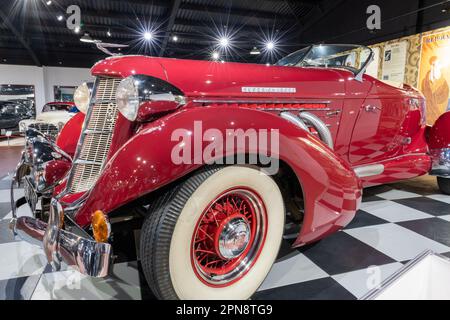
(439, 144)
(331, 190)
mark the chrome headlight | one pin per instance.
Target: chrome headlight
(127, 98)
(81, 97)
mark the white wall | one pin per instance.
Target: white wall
(28, 75)
(59, 76)
(43, 79)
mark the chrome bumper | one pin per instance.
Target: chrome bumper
(88, 256)
(441, 162)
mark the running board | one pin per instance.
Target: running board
(369, 171)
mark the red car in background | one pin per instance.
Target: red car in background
(149, 147)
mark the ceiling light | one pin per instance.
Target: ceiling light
(267, 64)
(215, 56)
(175, 38)
(148, 36)
(87, 38)
(224, 42)
(255, 51)
(270, 45)
(77, 29)
(49, 2)
(60, 17)
(108, 33)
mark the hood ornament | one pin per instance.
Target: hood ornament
(102, 46)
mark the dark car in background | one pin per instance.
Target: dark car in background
(11, 113)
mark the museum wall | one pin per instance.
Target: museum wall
(59, 76)
(43, 79)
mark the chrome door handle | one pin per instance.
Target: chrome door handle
(370, 108)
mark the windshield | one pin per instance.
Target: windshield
(351, 57)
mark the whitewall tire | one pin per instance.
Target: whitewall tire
(214, 236)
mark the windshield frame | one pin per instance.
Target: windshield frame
(358, 72)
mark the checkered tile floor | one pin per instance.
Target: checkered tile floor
(395, 224)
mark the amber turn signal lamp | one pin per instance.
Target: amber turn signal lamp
(100, 226)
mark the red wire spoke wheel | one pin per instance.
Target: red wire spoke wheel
(229, 236)
(216, 235)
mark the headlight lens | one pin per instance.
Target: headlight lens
(127, 98)
(81, 97)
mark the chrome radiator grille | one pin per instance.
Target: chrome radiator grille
(96, 137)
(46, 128)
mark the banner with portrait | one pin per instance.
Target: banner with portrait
(434, 73)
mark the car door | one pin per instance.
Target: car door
(377, 132)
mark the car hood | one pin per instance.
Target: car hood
(224, 79)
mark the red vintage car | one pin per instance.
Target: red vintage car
(149, 147)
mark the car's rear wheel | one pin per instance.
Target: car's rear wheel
(214, 236)
(444, 185)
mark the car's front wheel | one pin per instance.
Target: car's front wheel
(214, 236)
(444, 185)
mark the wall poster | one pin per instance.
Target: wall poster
(434, 73)
(394, 62)
(372, 68)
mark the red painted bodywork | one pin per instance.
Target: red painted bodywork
(439, 136)
(68, 137)
(391, 133)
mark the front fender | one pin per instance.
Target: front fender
(70, 133)
(331, 190)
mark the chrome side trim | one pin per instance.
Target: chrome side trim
(320, 126)
(441, 162)
(255, 101)
(368, 171)
(294, 119)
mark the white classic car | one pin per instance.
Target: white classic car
(53, 117)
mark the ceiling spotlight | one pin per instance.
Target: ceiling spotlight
(108, 33)
(267, 64)
(255, 51)
(60, 17)
(215, 56)
(77, 29)
(49, 2)
(87, 38)
(224, 42)
(148, 36)
(174, 38)
(270, 45)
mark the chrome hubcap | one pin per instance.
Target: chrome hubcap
(234, 238)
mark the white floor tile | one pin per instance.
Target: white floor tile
(392, 211)
(21, 211)
(395, 241)
(19, 259)
(440, 197)
(5, 194)
(446, 217)
(397, 194)
(294, 269)
(71, 285)
(360, 282)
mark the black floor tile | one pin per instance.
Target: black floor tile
(320, 289)
(370, 198)
(341, 253)
(427, 205)
(364, 219)
(373, 191)
(433, 228)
